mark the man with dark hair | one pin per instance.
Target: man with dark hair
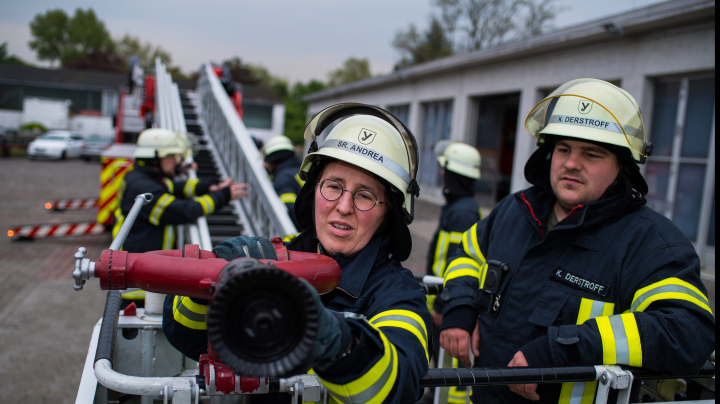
(595, 276)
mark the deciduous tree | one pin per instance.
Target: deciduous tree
(353, 69)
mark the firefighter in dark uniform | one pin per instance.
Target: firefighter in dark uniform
(356, 211)
(595, 276)
(460, 169)
(283, 166)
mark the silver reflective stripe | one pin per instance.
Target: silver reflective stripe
(187, 313)
(622, 348)
(665, 289)
(404, 319)
(440, 254)
(597, 309)
(577, 393)
(368, 394)
(584, 121)
(458, 267)
(366, 152)
(348, 314)
(462, 163)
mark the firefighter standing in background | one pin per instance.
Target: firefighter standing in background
(595, 276)
(356, 211)
(460, 169)
(283, 166)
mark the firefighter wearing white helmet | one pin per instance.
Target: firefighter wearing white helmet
(595, 276)
(283, 165)
(460, 165)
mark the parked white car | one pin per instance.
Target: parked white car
(56, 144)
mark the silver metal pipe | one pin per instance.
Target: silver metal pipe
(119, 239)
(172, 389)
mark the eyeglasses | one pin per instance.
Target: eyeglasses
(363, 200)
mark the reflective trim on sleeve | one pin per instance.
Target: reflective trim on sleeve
(620, 339)
(170, 185)
(406, 320)
(163, 201)
(464, 266)
(668, 289)
(445, 238)
(189, 313)
(471, 246)
(372, 387)
(288, 198)
(578, 393)
(168, 237)
(593, 308)
(299, 180)
(189, 188)
(207, 203)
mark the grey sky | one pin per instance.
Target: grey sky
(294, 39)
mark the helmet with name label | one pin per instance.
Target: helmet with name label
(459, 158)
(369, 138)
(158, 143)
(593, 110)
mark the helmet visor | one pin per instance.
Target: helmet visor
(590, 109)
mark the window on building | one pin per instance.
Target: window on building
(437, 123)
(401, 112)
(258, 116)
(683, 134)
(109, 103)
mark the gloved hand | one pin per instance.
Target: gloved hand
(241, 246)
(333, 338)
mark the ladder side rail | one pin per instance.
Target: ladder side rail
(266, 212)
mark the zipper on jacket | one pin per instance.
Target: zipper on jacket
(532, 212)
(348, 293)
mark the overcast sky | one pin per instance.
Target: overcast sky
(294, 39)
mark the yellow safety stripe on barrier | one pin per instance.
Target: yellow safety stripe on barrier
(189, 313)
(288, 198)
(463, 266)
(594, 308)
(119, 219)
(170, 185)
(134, 295)
(667, 289)
(578, 393)
(372, 387)
(299, 180)
(620, 339)
(407, 320)
(207, 203)
(109, 170)
(189, 188)
(163, 201)
(168, 237)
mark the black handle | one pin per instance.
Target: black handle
(108, 329)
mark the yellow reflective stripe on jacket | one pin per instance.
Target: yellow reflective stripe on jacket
(288, 198)
(168, 237)
(594, 308)
(464, 266)
(163, 201)
(578, 393)
(620, 339)
(290, 237)
(189, 313)
(471, 246)
(445, 238)
(207, 203)
(372, 387)
(119, 219)
(457, 395)
(189, 188)
(407, 320)
(667, 289)
(584, 393)
(299, 180)
(170, 185)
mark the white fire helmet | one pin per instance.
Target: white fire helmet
(276, 144)
(594, 110)
(159, 143)
(372, 139)
(459, 158)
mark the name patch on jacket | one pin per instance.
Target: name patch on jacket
(580, 282)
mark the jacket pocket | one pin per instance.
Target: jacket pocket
(555, 308)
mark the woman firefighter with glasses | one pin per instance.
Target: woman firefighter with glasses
(355, 207)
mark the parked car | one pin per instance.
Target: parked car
(94, 145)
(56, 144)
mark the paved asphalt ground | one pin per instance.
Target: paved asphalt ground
(45, 326)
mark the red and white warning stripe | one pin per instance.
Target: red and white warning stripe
(72, 203)
(56, 230)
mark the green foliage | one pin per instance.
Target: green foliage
(296, 109)
(353, 70)
(433, 44)
(33, 127)
(59, 38)
(130, 45)
(7, 59)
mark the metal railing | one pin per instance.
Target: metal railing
(169, 115)
(262, 212)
